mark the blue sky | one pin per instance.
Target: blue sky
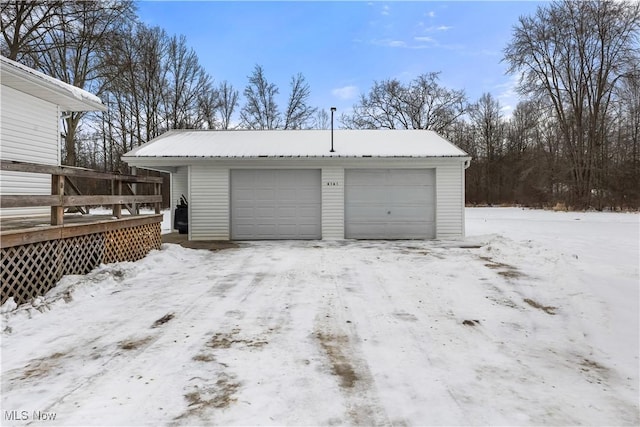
(342, 47)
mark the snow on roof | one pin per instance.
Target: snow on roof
(40, 85)
(297, 143)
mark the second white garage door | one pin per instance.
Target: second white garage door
(275, 204)
(390, 204)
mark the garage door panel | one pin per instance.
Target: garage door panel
(375, 230)
(306, 196)
(410, 213)
(246, 229)
(286, 230)
(243, 180)
(406, 177)
(262, 194)
(287, 212)
(306, 213)
(242, 212)
(397, 194)
(264, 212)
(244, 194)
(390, 203)
(275, 204)
(417, 230)
(369, 213)
(367, 178)
(285, 195)
(308, 231)
(265, 230)
(362, 193)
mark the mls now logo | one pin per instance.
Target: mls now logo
(26, 415)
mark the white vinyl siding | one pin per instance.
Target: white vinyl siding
(208, 203)
(332, 203)
(450, 200)
(29, 133)
(179, 187)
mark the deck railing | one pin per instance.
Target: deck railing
(58, 200)
(34, 258)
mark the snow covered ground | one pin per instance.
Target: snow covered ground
(532, 320)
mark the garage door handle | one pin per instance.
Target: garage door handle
(388, 212)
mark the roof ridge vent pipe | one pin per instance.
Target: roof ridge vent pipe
(332, 111)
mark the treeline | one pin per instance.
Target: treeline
(573, 138)
(151, 82)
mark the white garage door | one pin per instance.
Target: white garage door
(275, 204)
(390, 204)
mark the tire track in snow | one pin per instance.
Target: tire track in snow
(259, 318)
(337, 337)
(186, 313)
(388, 316)
(469, 393)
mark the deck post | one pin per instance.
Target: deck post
(57, 189)
(117, 191)
(134, 191)
(157, 190)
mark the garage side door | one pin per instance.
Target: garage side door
(390, 204)
(275, 204)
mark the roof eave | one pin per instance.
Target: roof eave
(58, 95)
(134, 157)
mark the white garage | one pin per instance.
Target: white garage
(259, 185)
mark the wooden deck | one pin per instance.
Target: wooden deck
(21, 223)
(21, 231)
(35, 252)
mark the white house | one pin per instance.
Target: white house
(277, 184)
(31, 107)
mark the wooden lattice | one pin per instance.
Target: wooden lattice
(30, 270)
(131, 244)
(82, 253)
(33, 269)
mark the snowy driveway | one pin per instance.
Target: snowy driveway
(319, 333)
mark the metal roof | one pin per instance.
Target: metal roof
(35, 83)
(296, 143)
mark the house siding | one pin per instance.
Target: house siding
(208, 203)
(332, 203)
(179, 186)
(450, 200)
(29, 132)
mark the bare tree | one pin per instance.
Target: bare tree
(623, 172)
(228, 103)
(381, 108)
(208, 105)
(432, 106)
(151, 72)
(574, 54)
(260, 110)
(321, 121)
(488, 128)
(74, 50)
(420, 104)
(299, 112)
(188, 83)
(25, 24)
